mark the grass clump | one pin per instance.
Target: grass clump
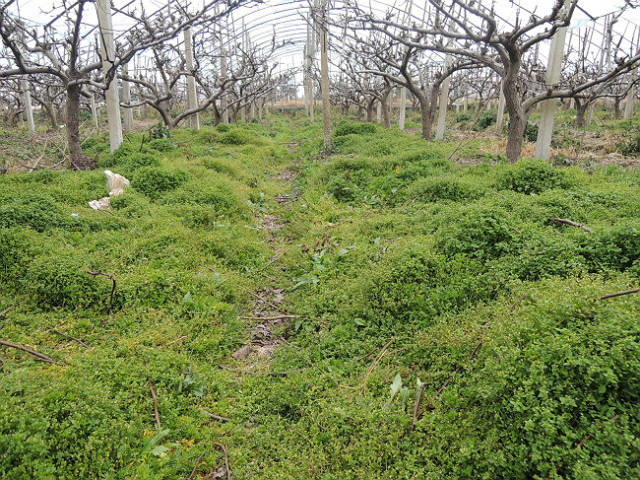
(152, 181)
(354, 128)
(434, 189)
(480, 232)
(532, 176)
(30, 209)
(61, 281)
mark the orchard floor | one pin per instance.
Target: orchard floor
(381, 313)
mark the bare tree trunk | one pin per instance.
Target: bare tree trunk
(370, 105)
(517, 115)
(78, 160)
(427, 118)
(581, 110)
(386, 120)
(616, 106)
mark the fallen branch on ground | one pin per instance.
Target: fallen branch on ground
(374, 363)
(620, 294)
(156, 414)
(113, 287)
(215, 417)
(472, 355)
(571, 223)
(277, 317)
(587, 437)
(4, 312)
(195, 467)
(71, 338)
(40, 356)
(226, 458)
(273, 260)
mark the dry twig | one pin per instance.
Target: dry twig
(70, 338)
(226, 458)
(113, 287)
(195, 467)
(40, 356)
(156, 414)
(375, 362)
(215, 417)
(571, 223)
(273, 260)
(277, 317)
(619, 294)
(587, 437)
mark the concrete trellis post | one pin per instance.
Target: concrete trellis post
(107, 47)
(324, 75)
(629, 103)
(500, 114)
(308, 69)
(94, 111)
(192, 93)
(127, 114)
(554, 67)
(379, 112)
(444, 100)
(223, 76)
(403, 108)
(26, 97)
(28, 109)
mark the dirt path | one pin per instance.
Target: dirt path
(269, 313)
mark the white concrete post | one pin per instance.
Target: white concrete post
(379, 112)
(223, 76)
(324, 76)
(500, 114)
(107, 47)
(94, 111)
(192, 93)
(629, 103)
(28, 109)
(127, 114)
(444, 100)
(403, 108)
(308, 68)
(554, 67)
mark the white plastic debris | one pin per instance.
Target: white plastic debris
(115, 186)
(103, 203)
(74, 215)
(115, 183)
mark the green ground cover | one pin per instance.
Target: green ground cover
(404, 275)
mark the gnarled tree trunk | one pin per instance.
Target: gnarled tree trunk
(370, 104)
(386, 120)
(78, 160)
(581, 110)
(514, 99)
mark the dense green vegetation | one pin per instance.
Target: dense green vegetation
(405, 271)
